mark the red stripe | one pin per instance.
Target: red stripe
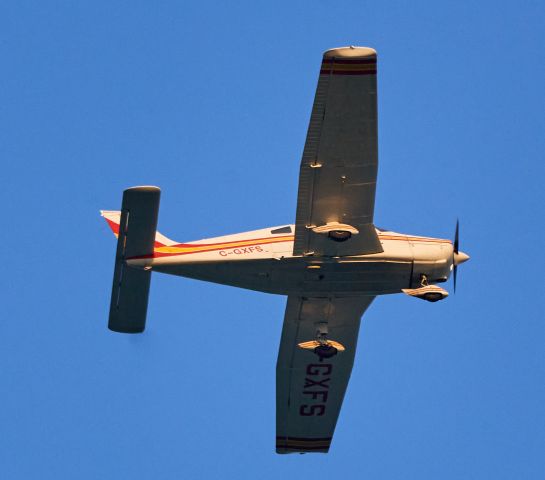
(337, 72)
(413, 239)
(171, 254)
(301, 449)
(350, 61)
(324, 439)
(189, 245)
(114, 226)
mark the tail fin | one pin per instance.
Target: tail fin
(113, 218)
(135, 227)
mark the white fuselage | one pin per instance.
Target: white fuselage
(263, 261)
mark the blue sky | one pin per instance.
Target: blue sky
(210, 101)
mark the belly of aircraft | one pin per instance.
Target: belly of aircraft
(293, 276)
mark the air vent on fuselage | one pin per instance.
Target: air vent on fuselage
(280, 230)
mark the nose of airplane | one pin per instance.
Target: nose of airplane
(460, 257)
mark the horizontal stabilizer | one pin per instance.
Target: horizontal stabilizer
(136, 237)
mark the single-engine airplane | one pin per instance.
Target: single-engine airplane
(331, 264)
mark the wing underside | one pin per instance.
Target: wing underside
(339, 166)
(310, 389)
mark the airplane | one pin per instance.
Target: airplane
(331, 263)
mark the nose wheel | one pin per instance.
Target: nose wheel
(433, 297)
(430, 293)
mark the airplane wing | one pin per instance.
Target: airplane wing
(309, 388)
(339, 166)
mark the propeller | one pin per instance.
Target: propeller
(455, 252)
(457, 256)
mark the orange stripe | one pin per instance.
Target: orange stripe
(184, 249)
(188, 245)
(413, 239)
(174, 250)
(234, 244)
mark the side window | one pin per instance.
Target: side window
(277, 231)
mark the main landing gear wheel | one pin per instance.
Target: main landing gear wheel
(325, 351)
(339, 235)
(433, 296)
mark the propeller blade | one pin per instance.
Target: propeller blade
(456, 237)
(454, 253)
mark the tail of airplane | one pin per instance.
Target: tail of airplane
(136, 229)
(113, 219)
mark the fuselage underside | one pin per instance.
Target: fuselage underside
(263, 261)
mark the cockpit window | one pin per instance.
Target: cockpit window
(277, 231)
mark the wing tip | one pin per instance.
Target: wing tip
(302, 445)
(350, 52)
(144, 188)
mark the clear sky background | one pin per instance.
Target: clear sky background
(211, 101)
